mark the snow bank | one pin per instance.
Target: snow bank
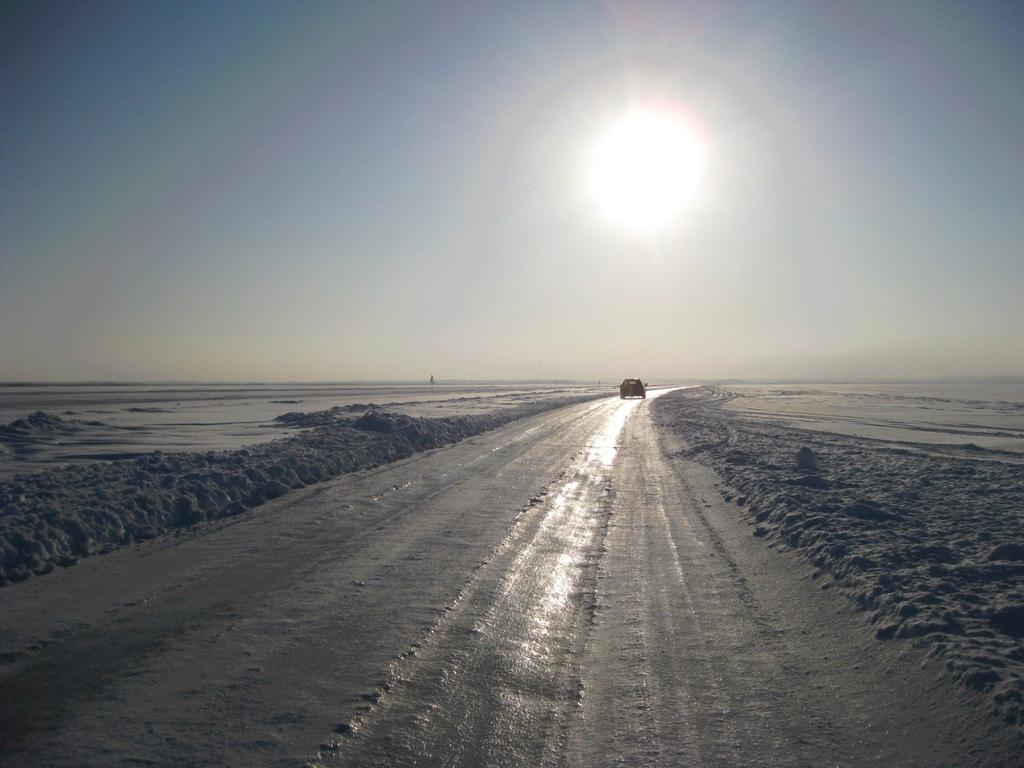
(27, 434)
(931, 544)
(55, 517)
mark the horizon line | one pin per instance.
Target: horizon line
(441, 382)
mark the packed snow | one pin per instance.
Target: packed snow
(927, 536)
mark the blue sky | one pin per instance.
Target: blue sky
(308, 191)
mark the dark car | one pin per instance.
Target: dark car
(632, 388)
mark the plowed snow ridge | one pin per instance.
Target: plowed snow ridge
(55, 517)
(932, 545)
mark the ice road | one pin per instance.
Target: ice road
(566, 590)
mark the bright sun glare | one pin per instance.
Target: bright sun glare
(646, 169)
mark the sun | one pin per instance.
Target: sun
(646, 168)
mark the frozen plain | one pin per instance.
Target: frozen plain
(574, 588)
(77, 507)
(82, 423)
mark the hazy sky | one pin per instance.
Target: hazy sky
(300, 191)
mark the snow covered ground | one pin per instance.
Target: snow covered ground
(74, 509)
(568, 589)
(46, 425)
(909, 502)
(971, 415)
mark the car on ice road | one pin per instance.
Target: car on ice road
(632, 388)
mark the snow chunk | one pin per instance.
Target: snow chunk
(806, 460)
(1009, 551)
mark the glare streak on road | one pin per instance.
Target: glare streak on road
(499, 667)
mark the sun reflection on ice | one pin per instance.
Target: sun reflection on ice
(605, 449)
(562, 540)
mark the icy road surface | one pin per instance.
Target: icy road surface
(555, 592)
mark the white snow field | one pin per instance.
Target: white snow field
(571, 588)
(909, 500)
(44, 425)
(77, 508)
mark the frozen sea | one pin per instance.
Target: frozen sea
(102, 422)
(983, 414)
